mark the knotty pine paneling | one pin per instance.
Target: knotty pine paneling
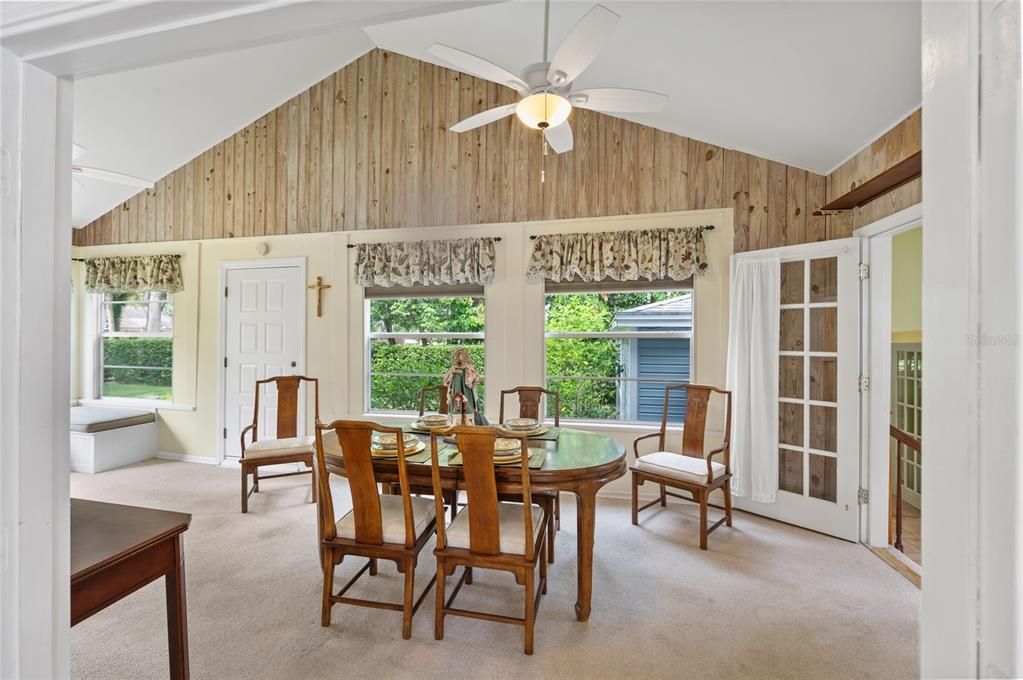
(368, 148)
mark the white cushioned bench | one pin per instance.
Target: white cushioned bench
(104, 438)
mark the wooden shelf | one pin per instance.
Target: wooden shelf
(889, 180)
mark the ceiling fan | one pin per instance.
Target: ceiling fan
(101, 174)
(546, 87)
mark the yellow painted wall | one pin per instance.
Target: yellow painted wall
(334, 349)
(907, 285)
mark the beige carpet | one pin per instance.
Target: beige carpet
(767, 600)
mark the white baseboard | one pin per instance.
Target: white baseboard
(186, 458)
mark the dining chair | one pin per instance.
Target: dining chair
(379, 526)
(694, 470)
(442, 398)
(530, 398)
(286, 446)
(489, 533)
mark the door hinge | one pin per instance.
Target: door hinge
(864, 271)
(225, 433)
(225, 291)
(864, 383)
(862, 496)
(225, 362)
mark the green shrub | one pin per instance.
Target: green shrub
(401, 392)
(149, 352)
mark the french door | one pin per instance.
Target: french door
(264, 336)
(818, 447)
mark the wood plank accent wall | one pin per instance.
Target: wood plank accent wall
(888, 150)
(368, 148)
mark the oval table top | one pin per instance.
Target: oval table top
(574, 454)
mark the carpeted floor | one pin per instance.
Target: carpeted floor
(766, 601)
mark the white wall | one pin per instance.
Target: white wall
(335, 343)
(35, 233)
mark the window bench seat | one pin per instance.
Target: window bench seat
(104, 438)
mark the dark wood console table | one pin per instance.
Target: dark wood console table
(117, 549)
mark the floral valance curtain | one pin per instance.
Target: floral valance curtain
(158, 273)
(428, 263)
(651, 254)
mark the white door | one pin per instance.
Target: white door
(264, 336)
(818, 444)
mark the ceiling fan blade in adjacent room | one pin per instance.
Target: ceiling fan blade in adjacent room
(111, 176)
(477, 66)
(618, 100)
(483, 118)
(582, 45)
(560, 137)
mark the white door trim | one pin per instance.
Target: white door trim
(876, 357)
(225, 267)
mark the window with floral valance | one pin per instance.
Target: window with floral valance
(428, 263)
(630, 255)
(143, 273)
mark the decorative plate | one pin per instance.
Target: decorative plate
(521, 424)
(506, 445)
(435, 419)
(393, 453)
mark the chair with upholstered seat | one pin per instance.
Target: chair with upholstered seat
(694, 470)
(379, 526)
(530, 400)
(442, 398)
(489, 533)
(286, 446)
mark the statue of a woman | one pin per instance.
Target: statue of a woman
(461, 380)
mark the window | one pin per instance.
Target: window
(411, 341)
(136, 345)
(610, 354)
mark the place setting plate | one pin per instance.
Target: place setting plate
(385, 445)
(433, 421)
(527, 426)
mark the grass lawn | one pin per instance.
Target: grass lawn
(133, 391)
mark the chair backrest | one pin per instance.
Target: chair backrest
(288, 416)
(355, 438)
(442, 396)
(694, 429)
(476, 445)
(529, 403)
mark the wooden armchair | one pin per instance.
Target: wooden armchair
(286, 446)
(489, 534)
(379, 526)
(530, 402)
(694, 470)
(442, 396)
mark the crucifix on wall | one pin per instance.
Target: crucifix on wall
(319, 286)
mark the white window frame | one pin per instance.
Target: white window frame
(95, 372)
(370, 336)
(617, 335)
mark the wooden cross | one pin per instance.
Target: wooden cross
(319, 286)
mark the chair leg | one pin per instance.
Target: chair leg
(468, 576)
(255, 480)
(703, 519)
(635, 500)
(438, 620)
(312, 475)
(372, 566)
(664, 497)
(551, 530)
(543, 571)
(406, 605)
(728, 504)
(245, 489)
(557, 518)
(328, 587)
(530, 613)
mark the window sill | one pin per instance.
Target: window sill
(148, 404)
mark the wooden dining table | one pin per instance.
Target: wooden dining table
(577, 462)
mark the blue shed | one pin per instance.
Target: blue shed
(656, 361)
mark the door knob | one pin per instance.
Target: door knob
(294, 364)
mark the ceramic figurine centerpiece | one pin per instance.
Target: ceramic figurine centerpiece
(462, 380)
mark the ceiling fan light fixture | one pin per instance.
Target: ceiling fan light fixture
(543, 110)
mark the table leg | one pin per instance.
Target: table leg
(177, 617)
(585, 518)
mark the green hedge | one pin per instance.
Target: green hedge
(138, 352)
(401, 393)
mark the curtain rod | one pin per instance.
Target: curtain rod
(84, 259)
(356, 245)
(709, 227)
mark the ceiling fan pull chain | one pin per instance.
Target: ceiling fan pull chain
(543, 157)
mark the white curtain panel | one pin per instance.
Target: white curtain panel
(752, 375)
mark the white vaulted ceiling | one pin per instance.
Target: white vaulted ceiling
(804, 83)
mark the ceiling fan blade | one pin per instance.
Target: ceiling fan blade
(618, 100)
(483, 118)
(111, 176)
(477, 66)
(560, 137)
(582, 45)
